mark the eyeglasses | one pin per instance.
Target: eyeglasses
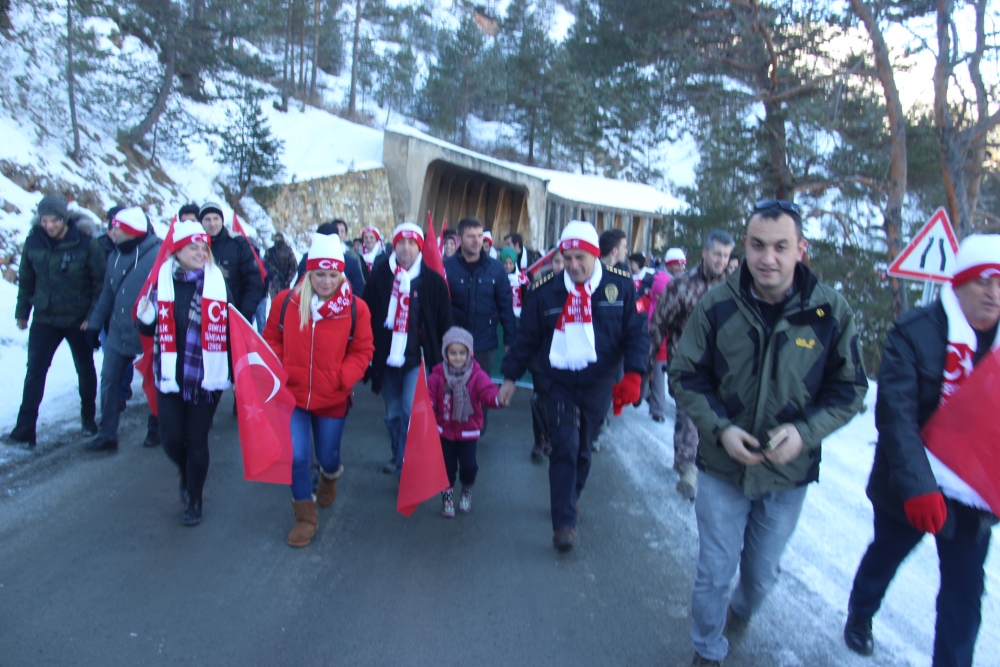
(783, 204)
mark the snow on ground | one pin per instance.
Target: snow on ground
(832, 535)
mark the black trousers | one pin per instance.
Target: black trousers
(539, 417)
(460, 459)
(184, 435)
(575, 419)
(959, 602)
(43, 340)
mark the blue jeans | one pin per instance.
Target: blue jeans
(959, 601)
(735, 530)
(398, 386)
(127, 375)
(327, 433)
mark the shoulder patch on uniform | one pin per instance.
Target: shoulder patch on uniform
(619, 272)
(539, 283)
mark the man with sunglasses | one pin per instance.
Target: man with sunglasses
(767, 366)
(60, 277)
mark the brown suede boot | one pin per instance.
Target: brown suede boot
(327, 491)
(305, 523)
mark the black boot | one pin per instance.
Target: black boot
(858, 634)
(152, 439)
(102, 444)
(89, 426)
(192, 514)
(16, 439)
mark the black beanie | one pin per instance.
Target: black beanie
(327, 229)
(112, 212)
(53, 205)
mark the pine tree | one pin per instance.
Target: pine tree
(249, 152)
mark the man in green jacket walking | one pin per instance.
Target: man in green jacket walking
(60, 278)
(768, 366)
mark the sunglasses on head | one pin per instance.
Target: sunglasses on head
(783, 204)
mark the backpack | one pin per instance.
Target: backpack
(288, 298)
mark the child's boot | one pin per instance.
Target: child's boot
(448, 503)
(465, 501)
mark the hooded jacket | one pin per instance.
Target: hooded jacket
(729, 369)
(59, 280)
(124, 277)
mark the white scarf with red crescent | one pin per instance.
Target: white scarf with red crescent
(398, 317)
(958, 365)
(518, 280)
(573, 345)
(335, 307)
(214, 324)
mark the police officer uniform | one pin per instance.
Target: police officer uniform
(578, 399)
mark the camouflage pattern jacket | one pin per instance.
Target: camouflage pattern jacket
(675, 306)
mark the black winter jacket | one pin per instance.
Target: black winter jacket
(236, 258)
(909, 391)
(481, 299)
(619, 331)
(60, 280)
(434, 313)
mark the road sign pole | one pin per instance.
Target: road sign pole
(928, 295)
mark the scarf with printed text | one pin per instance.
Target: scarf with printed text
(398, 317)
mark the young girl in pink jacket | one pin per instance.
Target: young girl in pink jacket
(459, 389)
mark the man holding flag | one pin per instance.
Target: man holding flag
(410, 311)
(929, 354)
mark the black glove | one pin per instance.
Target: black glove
(93, 338)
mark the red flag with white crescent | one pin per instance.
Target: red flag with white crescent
(264, 405)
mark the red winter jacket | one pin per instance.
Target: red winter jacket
(482, 392)
(322, 368)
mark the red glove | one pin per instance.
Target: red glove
(927, 512)
(626, 392)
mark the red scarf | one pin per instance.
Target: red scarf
(335, 306)
(573, 344)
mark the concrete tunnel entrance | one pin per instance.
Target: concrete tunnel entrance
(452, 193)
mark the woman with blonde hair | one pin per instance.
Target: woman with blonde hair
(187, 315)
(322, 334)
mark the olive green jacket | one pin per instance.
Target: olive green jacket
(729, 370)
(60, 280)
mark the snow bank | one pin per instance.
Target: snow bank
(833, 533)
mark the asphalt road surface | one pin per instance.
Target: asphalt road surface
(95, 568)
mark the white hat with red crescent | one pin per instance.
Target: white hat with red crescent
(580, 235)
(326, 253)
(674, 256)
(187, 232)
(408, 230)
(130, 220)
(978, 257)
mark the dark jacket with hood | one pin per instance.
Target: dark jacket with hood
(127, 269)
(481, 299)
(60, 280)
(236, 258)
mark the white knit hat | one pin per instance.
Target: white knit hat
(130, 220)
(488, 236)
(978, 257)
(675, 256)
(188, 231)
(326, 253)
(580, 235)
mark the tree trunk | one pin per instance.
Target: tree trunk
(316, 21)
(70, 81)
(166, 87)
(352, 106)
(893, 214)
(952, 158)
(284, 70)
(774, 126)
(302, 57)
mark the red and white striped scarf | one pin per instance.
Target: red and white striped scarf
(518, 280)
(573, 345)
(398, 317)
(214, 325)
(958, 365)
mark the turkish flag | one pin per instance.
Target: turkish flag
(144, 364)
(423, 475)
(964, 433)
(264, 405)
(238, 228)
(431, 254)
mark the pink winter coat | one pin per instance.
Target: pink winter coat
(660, 282)
(482, 392)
